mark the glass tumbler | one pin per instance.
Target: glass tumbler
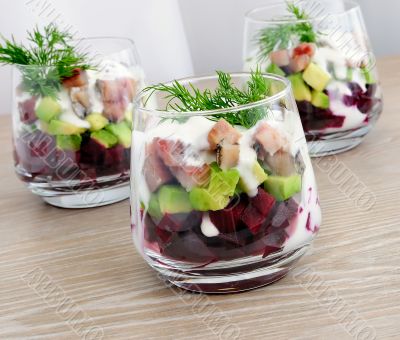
(218, 208)
(72, 147)
(324, 50)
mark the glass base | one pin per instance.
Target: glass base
(233, 276)
(84, 199)
(335, 143)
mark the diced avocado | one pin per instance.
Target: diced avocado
(202, 200)
(174, 199)
(300, 89)
(105, 138)
(316, 77)
(72, 142)
(97, 121)
(259, 175)
(223, 183)
(123, 133)
(221, 188)
(320, 99)
(369, 78)
(275, 69)
(48, 109)
(58, 127)
(283, 188)
(154, 207)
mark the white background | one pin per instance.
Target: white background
(209, 36)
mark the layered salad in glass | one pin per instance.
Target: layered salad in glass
(217, 186)
(72, 114)
(332, 73)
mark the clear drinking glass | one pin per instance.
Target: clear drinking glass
(73, 148)
(218, 208)
(333, 73)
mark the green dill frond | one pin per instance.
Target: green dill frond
(278, 37)
(49, 58)
(226, 95)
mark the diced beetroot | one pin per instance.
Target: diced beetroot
(188, 247)
(356, 89)
(180, 222)
(274, 241)
(78, 79)
(164, 237)
(67, 165)
(150, 234)
(114, 156)
(36, 152)
(284, 213)
(92, 152)
(223, 132)
(371, 90)
(280, 58)
(263, 202)
(365, 104)
(253, 219)
(155, 171)
(227, 220)
(27, 111)
(349, 100)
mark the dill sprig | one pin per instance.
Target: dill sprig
(226, 95)
(49, 58)
(279, 36)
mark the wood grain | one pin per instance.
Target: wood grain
(89, 256)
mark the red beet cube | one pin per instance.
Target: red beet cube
(226, 220)
(253, 219)
(36, 152)
(27, 111)
(263, 202)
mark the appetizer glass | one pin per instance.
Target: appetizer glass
(72, 148)
(325, 52)
(218, 208)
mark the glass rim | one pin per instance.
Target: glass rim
(78, 40)
(250, 15)
(169, 113)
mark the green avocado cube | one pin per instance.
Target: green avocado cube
(203, 200)
(259, 175)
(369, 78)
(320, 99)
(97, 121)
(283, 188)
(275, 69)
(71, 143)
(58, 127)
(48, 109)
(223, 183)
(301, 90)
(104, 138)
(316, 77)
(123, 132)
(154, 209)
(174, 199)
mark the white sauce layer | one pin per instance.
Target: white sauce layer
(208, 228)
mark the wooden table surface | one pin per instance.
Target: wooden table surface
(68, 274)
